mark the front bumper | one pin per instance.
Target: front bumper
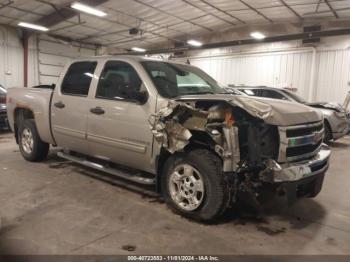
(295, 171)
(299, 179)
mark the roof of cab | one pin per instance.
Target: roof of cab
(128, 57)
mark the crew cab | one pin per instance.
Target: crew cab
(171, 125)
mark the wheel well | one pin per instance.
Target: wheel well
(161, 159)
(20, 115)
(199, 140)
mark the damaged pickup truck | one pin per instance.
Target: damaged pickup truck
(171, 125)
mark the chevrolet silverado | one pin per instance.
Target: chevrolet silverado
(171, 125)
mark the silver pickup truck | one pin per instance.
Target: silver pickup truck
(171, 125)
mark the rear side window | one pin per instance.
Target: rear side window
(78, 78)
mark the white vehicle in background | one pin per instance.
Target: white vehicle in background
(336, 118)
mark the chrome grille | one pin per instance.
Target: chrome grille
(300, 142)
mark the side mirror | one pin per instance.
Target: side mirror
(139, 96)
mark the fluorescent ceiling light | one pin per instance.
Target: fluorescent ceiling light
(33, 26)
(194, 43)
(257, 35)
(138, 49)
(87, 9)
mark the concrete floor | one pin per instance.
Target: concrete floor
(57, 207)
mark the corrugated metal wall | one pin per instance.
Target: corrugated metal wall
(332, 71)
(333, 75)
(270, 69)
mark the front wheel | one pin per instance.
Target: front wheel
(194, 185)
(31, 146)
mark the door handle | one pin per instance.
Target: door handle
(59, 104)
(97, 110)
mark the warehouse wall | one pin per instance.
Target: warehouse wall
(11, 58)
(320, 73)
(271, 69)
(333, 75)
(47, 58)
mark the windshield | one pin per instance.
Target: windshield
(173, 80)
(294, 96)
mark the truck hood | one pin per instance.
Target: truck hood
(272, 111)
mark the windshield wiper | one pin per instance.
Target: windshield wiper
(202, 93)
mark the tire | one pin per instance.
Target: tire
(206, 171)
(32, 148)
(327, 133)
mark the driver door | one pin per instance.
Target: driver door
(118, 128)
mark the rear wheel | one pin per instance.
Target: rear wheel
(31, 146)
(194, 186)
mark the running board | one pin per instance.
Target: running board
(112, 171)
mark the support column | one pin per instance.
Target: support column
(25, 43)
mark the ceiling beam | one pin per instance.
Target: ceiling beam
(71, 41)
(171, 14)
(256, 11)
(167, 27)
(291, 9)
(218, 17)
(63, 13)
(331, 8)
(278, 38)
(6, 5)
(222, 11)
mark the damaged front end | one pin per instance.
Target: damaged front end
(254, 149)
(179, 124)
(238, 138)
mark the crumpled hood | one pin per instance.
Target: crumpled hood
(272, 111)
(327, 105)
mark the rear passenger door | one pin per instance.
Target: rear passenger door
(118, 128)
(69, 107)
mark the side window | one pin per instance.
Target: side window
(118, 80)
(78, 78)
